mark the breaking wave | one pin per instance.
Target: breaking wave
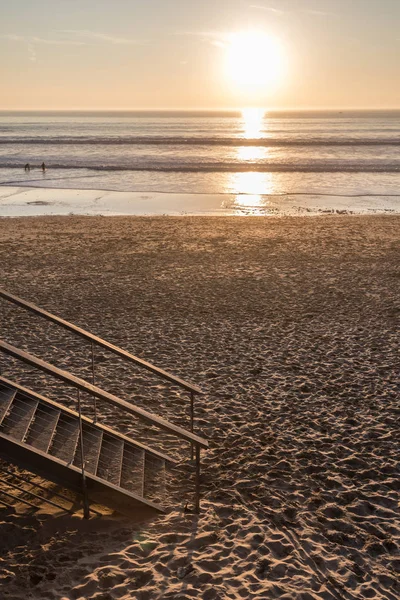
(198, 141)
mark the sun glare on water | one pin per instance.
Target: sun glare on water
(253, 122)
(253, 61)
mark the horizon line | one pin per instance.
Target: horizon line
(194, 109)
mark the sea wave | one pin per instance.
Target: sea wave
(225, 167)
(198, 141)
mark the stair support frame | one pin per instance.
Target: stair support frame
(197, 484)
(86, 509)
(191, 422)
(93, 379)
(195, 440)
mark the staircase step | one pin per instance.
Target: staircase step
(92, 439)
(43, 426)
(154, 478)
(42, 436)
(110, 461)
(17, 421)
(65, 439)
(132, 475)
(6, 397)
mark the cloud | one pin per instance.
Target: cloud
(13, 37)
(86, 37)
(319, 13)
(32, 53)
(70, 37)
(30, 40)
(33, 41)
(94, 35)
(276, 11)
(216, 38)
(38, 40)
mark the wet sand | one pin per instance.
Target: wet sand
(291, 328)
(25, 201)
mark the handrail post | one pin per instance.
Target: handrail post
(86, 510)
(191, 422)
(94, 397)
(197, 484)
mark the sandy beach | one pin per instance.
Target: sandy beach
(291, 327)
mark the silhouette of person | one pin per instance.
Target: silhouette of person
(27, 167)
(43, 167)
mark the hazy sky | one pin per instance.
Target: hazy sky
(70, 54)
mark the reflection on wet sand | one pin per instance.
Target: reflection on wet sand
(252, 193)
(249, 204)
(251, 182)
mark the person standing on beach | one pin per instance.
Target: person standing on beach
(43, 167)
(27, 167)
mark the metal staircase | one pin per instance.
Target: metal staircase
(77, 452)
(44, 436)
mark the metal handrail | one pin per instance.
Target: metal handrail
(99, 341)
(103, 395)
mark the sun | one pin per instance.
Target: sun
(254, 61)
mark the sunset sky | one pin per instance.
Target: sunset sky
(102, 54)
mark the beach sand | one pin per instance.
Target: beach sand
(291, 327)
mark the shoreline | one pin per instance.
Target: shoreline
(21, 201)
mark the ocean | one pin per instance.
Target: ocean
(305, 158)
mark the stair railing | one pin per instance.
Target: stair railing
(82, 385)
(94, 339)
